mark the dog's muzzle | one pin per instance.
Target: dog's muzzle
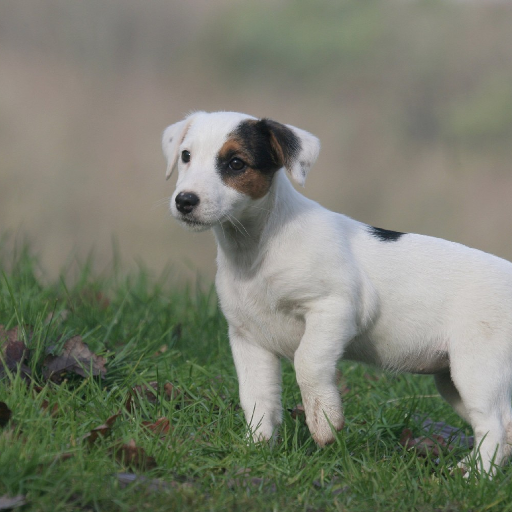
(186, 202)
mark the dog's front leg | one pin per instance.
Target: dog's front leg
(329, 327)
(259, 381)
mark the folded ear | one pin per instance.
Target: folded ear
(171, 139)
(295, 148)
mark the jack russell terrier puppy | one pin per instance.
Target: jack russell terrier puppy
(298, 281)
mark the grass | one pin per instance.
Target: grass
(150, 332)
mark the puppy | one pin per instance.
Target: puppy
(298, 281)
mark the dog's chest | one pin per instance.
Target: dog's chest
(257, 310)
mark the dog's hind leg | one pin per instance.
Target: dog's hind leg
(484, 386)
(449, 392)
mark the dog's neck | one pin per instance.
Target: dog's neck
(242, 239)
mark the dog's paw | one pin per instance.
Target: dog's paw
(323, 422)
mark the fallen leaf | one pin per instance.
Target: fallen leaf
(57, 318)
(77, 358)
(45, 405)
(161, 426)
(244, 480)
(102, 430)
(298, 412)
(151, 392)
(8, 503)
(452, 435)
(5, 414)
(153, 484)
(91, 297)
(61, 457)
(424, 445)
(10, 335)
(133, 456)
(15, 352)
(334, 484)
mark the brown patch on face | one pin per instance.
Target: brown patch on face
(250, 181)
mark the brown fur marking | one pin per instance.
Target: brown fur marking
(250, 182)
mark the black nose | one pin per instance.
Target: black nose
(186, 202)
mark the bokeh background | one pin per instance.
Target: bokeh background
(412, 101)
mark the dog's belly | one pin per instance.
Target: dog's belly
(426, 356)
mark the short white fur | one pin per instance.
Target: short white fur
(298, 281)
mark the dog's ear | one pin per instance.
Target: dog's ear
(171, 139)
(296, 149)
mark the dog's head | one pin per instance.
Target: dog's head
(226, 161)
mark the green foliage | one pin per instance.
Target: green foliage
(150, 332)
(484, 116)
(298, 39)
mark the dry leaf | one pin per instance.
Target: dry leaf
(5, 414)
(10, 335)
(424, 445)
(102, 430)
(151, 392)
(133, 456)
(15, 352)
(57, 318)
(8, 503)
(152, 484)
(77, 358)
(45, 405)
(161, 426)
(298, 412)
(244, 480)
(452, 435)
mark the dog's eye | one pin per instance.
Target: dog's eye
(236, 164)
(185, 156)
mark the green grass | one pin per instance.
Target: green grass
(150, 332)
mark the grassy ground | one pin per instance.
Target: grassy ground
(93, 443)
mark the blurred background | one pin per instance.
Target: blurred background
(412, 101)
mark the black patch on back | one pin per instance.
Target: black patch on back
(384, 235)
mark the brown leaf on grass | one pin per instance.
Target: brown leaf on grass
(244, 480)
(452, 435)
(152, 484)
(436, 437)
(76, 358)
(424, 445)
(133, 456)
(57, 318)
(335, 485)
(10, 335)
(161, 426)
(45, 405)
(298, 412)
(8, 503)
(151, 392)
(61, 457)
(89, 297)
(5, 414)
(14, 352)
(102, 430)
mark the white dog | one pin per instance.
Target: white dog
(298, 281)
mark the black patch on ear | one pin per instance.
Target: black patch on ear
(284, 142)
(267, 144)
(384, 235)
